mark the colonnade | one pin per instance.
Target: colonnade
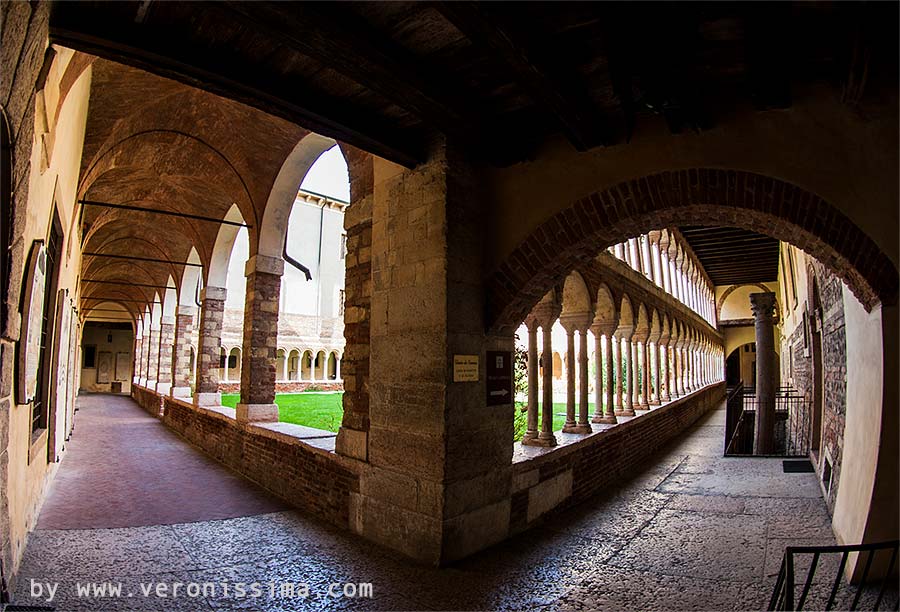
(641, 358)
(664, 257)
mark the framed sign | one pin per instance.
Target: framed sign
(104, 367)
(123, 366)
(465, 368)
(32, 323)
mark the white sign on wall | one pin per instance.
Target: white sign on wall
(32, 313)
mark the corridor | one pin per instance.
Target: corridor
(134, 504)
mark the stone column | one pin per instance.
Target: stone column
(209, 347)
(665, 268)
(626, 252)
(145, 357)
(260, 344)
(628, 401)
(284, 367)
(606, 365)
(136, 361)
(648, 262)
(153, 358)
(571, 368)
(664, 370)
(763, 307)
(635, 255)
(640, 350)
(181, 352)
(227, 354)
(546, 437)
(616, 356)
(164, 368)
(531, 433)
(619, 251)
(583, 404)
(655, 370)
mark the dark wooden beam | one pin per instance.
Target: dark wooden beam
(93, 29)
(559, 94)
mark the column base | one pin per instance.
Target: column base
(605, 420)
(163, 388)
(655, 402)
(257, 413)
(625, 412)
(142, 382)
(151, 384)
(644, 406)
(352, 443)
(208, 399)
(543, 439)
(180, 392)
(570, 427)
(578, 429)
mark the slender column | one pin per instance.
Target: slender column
(337, 367)
(676, 369)
(620, 251)
(571, 368)
(181, 352)
(605, 415)
(209, 346)
(598, 375)
(531, 432)
(260, 339)
(546, 436)
(145, 357)
(656, 396)
(635, 368)
(628, 400)
(665, 266)
(640, 350)
(635, 254)
(763, 306)
(648, 262)
(584, 408)
(225, 377)
(664, 371)
(164, 367)
(284, 366)
(658, 273)
(617, 361)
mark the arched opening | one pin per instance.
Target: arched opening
(281, 363)
(740, 366)
(295, 371)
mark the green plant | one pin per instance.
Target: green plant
(520, 380)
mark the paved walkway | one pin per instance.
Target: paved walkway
(694, 531)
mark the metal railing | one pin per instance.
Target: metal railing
(878, 593)
(791, 412)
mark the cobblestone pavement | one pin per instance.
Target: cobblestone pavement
(694, 531)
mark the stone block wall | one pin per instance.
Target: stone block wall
(574, 473)
(311, 479)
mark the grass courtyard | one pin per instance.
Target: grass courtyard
(322, 410)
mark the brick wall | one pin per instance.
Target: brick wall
(574, 473)
(148, 400)
(311, 479)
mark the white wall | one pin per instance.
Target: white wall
(122, 342)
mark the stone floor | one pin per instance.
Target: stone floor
(694, 531)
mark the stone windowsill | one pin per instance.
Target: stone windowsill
(528, 457)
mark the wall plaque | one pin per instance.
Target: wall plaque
(32, 315)
(465, 368)
(499, 378)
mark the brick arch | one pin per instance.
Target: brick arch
(734, 288)
(709, 196)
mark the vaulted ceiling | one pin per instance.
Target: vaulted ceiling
(500, 76)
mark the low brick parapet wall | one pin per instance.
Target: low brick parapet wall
(570, 474)
(147, 399)
(312, 479)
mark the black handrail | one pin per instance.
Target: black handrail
(783, 593)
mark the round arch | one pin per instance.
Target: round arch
(731, 198)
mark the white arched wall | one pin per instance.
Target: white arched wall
(273, 229)
(188, 294)
(224, 245)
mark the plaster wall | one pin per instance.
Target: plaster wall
(122, 342)
(55, 162)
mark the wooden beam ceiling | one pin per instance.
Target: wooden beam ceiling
(732, 255)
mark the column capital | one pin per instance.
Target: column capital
(762, 305)
(603, 329)
(265, 264)
(624, 332)
(167, 321)
(576, 322)
(213, 293)
(186, 310)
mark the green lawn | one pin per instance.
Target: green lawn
(319, 410)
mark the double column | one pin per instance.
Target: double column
(546, 315)
(603, 394)
(642, 366)
(625, 379)
(572, 324)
